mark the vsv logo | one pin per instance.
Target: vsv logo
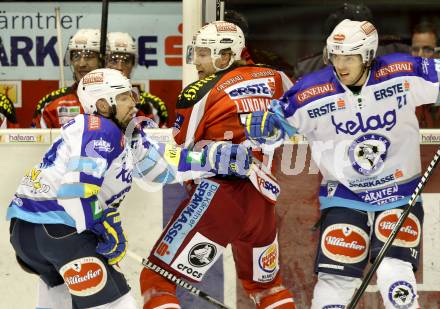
(374, 122)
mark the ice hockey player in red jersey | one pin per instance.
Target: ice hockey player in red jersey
(121, 55)
(59, 106)
(236, 210)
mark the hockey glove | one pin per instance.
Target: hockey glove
(112, 242)
(264, 127)
(223, 158)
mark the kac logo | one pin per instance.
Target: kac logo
(202, 254)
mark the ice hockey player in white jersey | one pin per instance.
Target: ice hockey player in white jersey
(358, 115)
(65, 226)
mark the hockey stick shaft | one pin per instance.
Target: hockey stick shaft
(358, 294)
(103, 43)
(182, 283)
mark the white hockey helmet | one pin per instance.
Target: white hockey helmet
(85, 39)
(101, 84)
(354, 38)
(218, 36)
(121, 42)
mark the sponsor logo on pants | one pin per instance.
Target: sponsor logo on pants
(85, 276)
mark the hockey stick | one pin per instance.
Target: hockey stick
(358, 294)
(103, 42)
(59, 45)
(176, 280)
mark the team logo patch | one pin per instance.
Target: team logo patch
(401, 295)
(197, 257)
(368, 152)
(202, 254)
(85, 276)
(266, 263)
(345, 243)
(409, 234)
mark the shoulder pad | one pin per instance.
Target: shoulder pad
(50, 97)
(7, 108)
(198, 89)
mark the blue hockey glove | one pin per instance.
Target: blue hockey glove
(264, 127)
(223, 158)
(112, 243)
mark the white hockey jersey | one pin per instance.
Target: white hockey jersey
(366, 145)
(90, 167)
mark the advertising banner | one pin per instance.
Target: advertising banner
(28, 49)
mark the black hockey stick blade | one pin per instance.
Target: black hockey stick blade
(182, 283)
